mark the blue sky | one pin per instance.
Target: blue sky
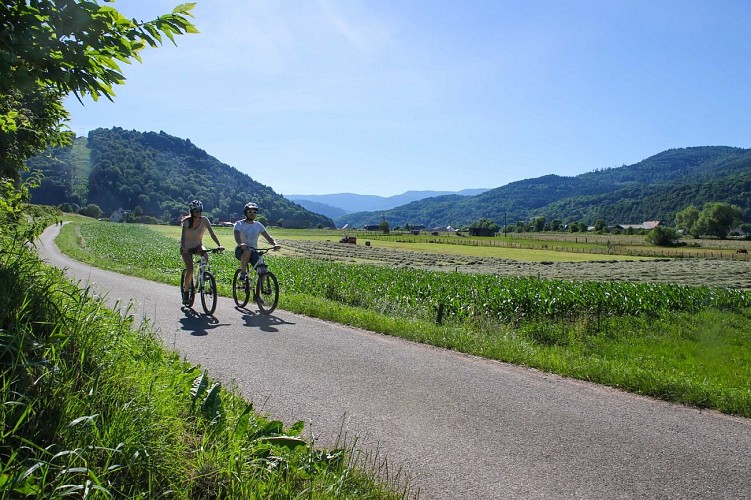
(382, 97)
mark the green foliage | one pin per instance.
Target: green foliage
(18, 221)
(716, 219)
(484, 227)
(50, 49)
(663, 236)
(685, 220)
(91, 210)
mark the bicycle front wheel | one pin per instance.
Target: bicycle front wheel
(208, 293)
(240, 290)
(267, 292)
(191, 295)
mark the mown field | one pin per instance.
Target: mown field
(689, 344)
(484, 258)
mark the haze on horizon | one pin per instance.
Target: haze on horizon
(381, 98)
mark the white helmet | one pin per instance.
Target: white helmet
(195, 205)
(250, 206)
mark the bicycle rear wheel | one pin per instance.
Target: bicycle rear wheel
(208, 293)
(240, 290)
(267, 292)
(191, 294)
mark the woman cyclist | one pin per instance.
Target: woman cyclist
(246, 236)
(191, 241)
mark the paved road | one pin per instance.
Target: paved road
(463, 426)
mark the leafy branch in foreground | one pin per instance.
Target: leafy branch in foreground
(52, 48)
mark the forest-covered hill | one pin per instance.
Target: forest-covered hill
(156, 174)
(653, 189)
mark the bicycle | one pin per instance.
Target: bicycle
(266, 289)
(206, 283)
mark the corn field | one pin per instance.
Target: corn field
(416, 292)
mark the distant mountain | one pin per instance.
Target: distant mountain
(321, 208)
(653, 189)
(350, 202)
(156, 175)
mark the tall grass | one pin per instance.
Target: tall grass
(94, 408)
(679, 343)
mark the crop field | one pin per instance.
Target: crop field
(401, 280)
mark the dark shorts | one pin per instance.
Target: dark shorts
(194, 250)
(254, 255)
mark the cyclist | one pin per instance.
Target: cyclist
(246, 236)
(191, 240)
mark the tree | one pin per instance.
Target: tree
(484, 227)
(717, 218)
(50, 49)
(600, 226)
(384, 226)
(91, 210)
(663, 236)
(686, 219)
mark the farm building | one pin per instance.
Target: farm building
(648, 225)
(118, 215)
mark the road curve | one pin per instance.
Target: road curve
(462, 426)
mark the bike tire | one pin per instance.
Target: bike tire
(191, 293)
(208, 293)
(267, 292)
(240, 290)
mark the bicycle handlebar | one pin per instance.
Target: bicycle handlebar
(264, 250)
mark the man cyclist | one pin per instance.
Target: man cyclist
(246, 236)
(191, 241)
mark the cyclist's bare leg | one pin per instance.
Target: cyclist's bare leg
(244, 258)
(188, 260)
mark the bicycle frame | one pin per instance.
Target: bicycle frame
(204, 282)
(200, 265)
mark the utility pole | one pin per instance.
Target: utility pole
(505, 224)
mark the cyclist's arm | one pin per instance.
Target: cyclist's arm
(211, 232)
(268, 237)
(238, 240)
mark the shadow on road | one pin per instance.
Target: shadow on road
(263, 322)
(198, 324)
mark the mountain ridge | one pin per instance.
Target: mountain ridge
(652, 189)
(339, 204)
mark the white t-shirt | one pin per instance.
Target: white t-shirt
(249, 232)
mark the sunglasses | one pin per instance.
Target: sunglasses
(251, 211)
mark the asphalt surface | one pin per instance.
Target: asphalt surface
(461, 426)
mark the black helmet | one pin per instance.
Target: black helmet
(195, 205)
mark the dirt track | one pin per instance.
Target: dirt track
(723, 273)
